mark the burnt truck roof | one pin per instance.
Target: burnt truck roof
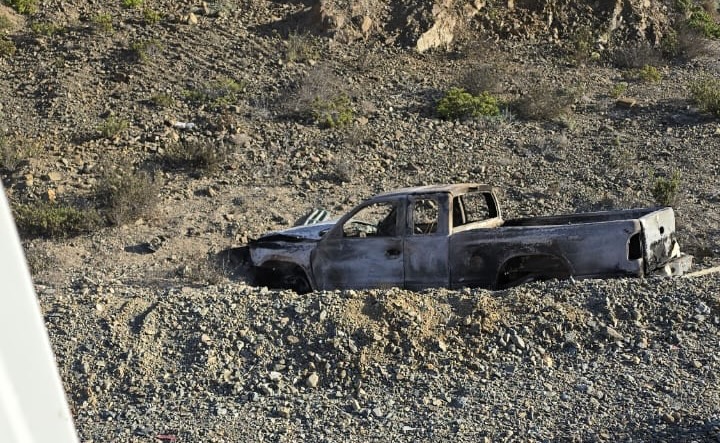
(454, 189)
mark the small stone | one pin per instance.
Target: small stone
(519, 342)
(54, 176)
(241, 140)
(378, 412)
(366, 25)
(313, 380)
(191, 19)
(355, 405)
(284, 412)
(265, 389)
(442, 345)
(626, 102)
(205, 338)
(612, 334)
(275, 376)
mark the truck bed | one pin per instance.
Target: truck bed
(586, 217)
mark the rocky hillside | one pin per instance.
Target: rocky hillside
(138, 140)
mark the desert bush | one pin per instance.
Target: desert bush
(5, 22)
(332, 112)
(132, 3)
(162, 100)
(636, 57)
(23, 6)
(141, 50)
(221, 92)
(706, 93)
(705, 22)
(342, 170)
(477, 79)
(112, 127)
(196, 155)
(618, 89)
(685, 42)
(545, 103)
(7, 47)
(124, 194)
(11, 154)
(102, 23)
(322, 97)
(300, 48)
(458, 103)
(207, 270)
(666, 190)
(582, 44)
(47, 29)
(151, 16)
(649, 74)
(53, 220)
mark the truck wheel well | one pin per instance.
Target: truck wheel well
(282, 275)
(526, 268)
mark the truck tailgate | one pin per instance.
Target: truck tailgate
(659, 231)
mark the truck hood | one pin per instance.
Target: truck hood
(308, 232)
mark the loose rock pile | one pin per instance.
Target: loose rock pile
(592, 360)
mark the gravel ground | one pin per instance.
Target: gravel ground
(173, 345)
(616, 360)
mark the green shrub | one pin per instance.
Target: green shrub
(51, 220)
(705, 23)
(125, 195)
(132, 3)
(665, 190)
(47, 29)
(141, 50)
(649, 74)
(23, 6)
(113, 127)
(162, 100)
(618, 89)
(7, 48)
(222, 92)
(333, 112)
(706, 93)
(458, 103)
(5, 22)
(103, 23)
(151, 16)
(321, 97)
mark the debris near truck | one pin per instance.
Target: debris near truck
(455, 236)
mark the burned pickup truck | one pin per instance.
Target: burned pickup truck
(455, 236)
